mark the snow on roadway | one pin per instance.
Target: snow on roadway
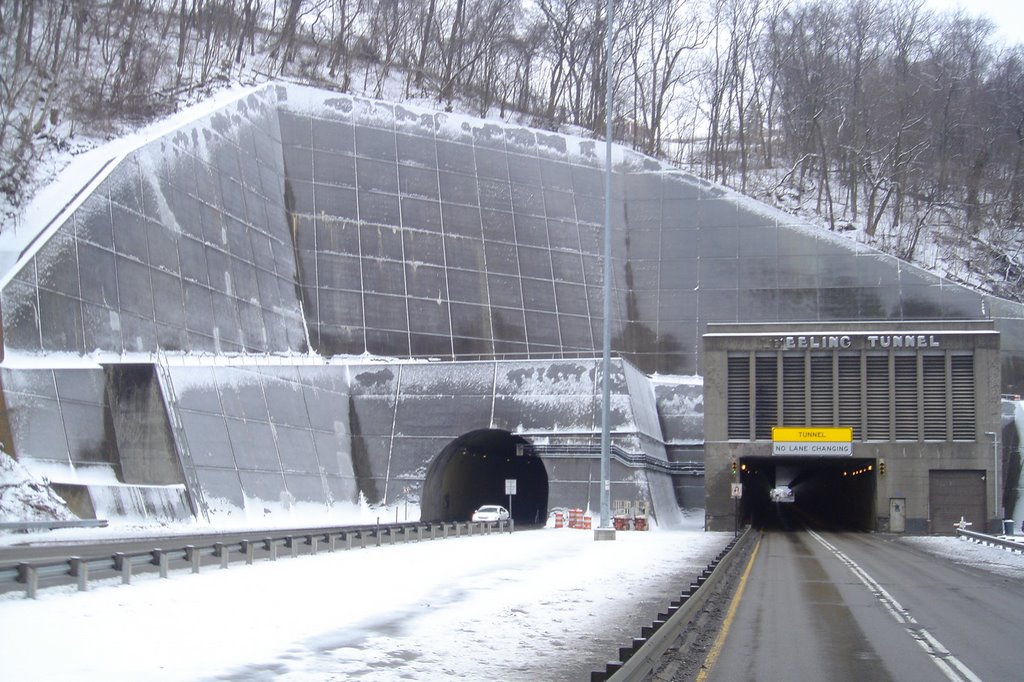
(548, 604)
(544, 604)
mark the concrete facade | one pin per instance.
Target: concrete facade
(909, 463)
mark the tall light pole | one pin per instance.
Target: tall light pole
(605, 531)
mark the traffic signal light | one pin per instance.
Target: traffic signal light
(734, 467)
(881, 467)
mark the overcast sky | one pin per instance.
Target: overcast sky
(1007, 15)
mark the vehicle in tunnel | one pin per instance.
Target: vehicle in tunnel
(826, 493)
(473, 470)
(490, 512)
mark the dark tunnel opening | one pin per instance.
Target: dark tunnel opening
(828, 493)
(472, 470)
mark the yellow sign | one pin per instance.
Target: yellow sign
(812, 434)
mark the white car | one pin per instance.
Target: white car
(491, 512)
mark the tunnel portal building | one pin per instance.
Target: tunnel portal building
(888, 426)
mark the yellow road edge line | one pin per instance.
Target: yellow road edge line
(716, 648)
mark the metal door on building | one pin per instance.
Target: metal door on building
(953, 495)
(897, 514)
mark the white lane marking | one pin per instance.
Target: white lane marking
(949, 664)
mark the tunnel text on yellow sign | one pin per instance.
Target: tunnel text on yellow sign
(812, 434)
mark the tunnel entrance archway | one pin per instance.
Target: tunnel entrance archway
(471, 471)
(828, 493)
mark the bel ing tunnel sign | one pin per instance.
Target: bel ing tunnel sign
(827, 441)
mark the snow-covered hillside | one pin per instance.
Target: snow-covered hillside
(23, 497)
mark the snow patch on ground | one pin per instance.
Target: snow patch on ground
(24, 497)
(963, 551)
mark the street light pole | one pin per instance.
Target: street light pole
(605, 530)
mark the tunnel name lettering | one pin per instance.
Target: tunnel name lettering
(902, 341)
(846, 341)
(802, 342)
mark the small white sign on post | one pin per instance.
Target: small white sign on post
(510, 490)
(737, 491)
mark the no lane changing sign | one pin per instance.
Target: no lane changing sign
(828, 441)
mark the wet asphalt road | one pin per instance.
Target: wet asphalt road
(855, 606)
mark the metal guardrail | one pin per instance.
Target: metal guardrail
(637, 662)
(35, 574)
(990, 540)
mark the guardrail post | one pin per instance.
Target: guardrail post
(80, 569)
(223, 552)
(290, 543)
(29, 575)
(249, 549)
(124, 564)
(271, 547)
(160, 558)
(312, 540)
(192, 556)
(332, 542)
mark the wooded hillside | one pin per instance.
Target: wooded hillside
(903, 127)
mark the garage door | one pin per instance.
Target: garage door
(952, 494)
